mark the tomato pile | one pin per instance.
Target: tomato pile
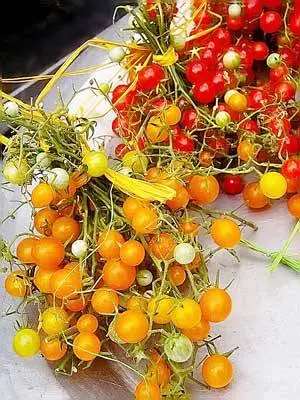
(113, 254)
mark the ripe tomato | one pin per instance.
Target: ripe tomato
(188, 227)
(132, 253)
(86, 346)
(105, 301)
(183, 143)
(198, 332)
(237, 102)
(294, 205)
(26, 342)
(54, 349)
(279, 73)
(273, 185)
(270, 21)
(16, 284)
(156, 130)
(162, 246)
(280, 127)
(121, 101)
(252, 8)
(257, 98)
(109, 244)
(130, 207)
(232, 184)
(66, 282)
(120, 150)
(204, 91)
(206, 158)
(42, 279)
(117, 275)
(245, 150)
(147, 390)
(150, 77)
(189, 119)
(48, 253)
(216, 305)
(234, 23)
(25, 250)
(225, 233)
(217, 371)
(145, 221)
(186, 314)
(294, 22)
(77, 303)
(87, 323)
(285, 91)
(121, 128)
(260, 50)
(177, 274)
(287, 56)
(204, 189)
(254, 197)
(137, 303)
(195, 70)
(54, 320)
(42, 195)
(171, 115)
(132, 326)
(289, 145)
(66, 229)
(160, 309)
(159, 373)
(181, 198)
(291, 169)
(219, 82)
(44, 220)
(250, 126)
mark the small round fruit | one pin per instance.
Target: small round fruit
(254, 197)
(204, 189)
(109, 244)
(172, 115)
(86, 346)
(66, 282)
(26, 342)
(294, 205)
(234, 10)
(223, 118)
(105, 301)
(54, 320)
(217, 371)
(216, 305)
(178, 348)
(198, 332)
(87, 323)
(16, 172)
(186, 314)
(132, 253)
(42, 279)
(237, 102)
(117, 275)
(16, 284)
(11, 109)
(225, 233)
(273, 185)
(160, 308)
(274, 60)
(25, 250)
(79, 248)
(44, 220)
(136, 160)
(147, 391)
(130, 207)
(184, 253)
(48, 253)
(177, 274)
(96, 162)
(145, 221)
(231, 60)
(162, 246)
(58, 178)
(42, 195)
(144, 277)
(66, 229)
(132, 326)
(53, 350)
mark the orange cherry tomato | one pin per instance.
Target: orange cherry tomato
(137, 303)
(42, 279)
(109, 244)
(147, 391)
(245, 150)
(177, 274)
(77, 303)
(42, 195)
(162, 246)
(186, 314)
(225, 233)
(216, 305)
(132, 326)
(44, 220)
(16, 284)
(206, 158)
(217, 371)
(198, 332)
(130, 207)
(87, 323)
(117, 275)
(156, 175)
(197, 261)
(292, 185)
(86, 346)
(294, 205)
(204, 189)
(53, 350)
(254, 197)
(48, 253)
(66, 282)
(156, 130)
(181, 198)
(25, 250)
(159, 372)
(145, 221)
(105, 301)
(189, 227)
(132, 253)
(66, 229)
(238, 102)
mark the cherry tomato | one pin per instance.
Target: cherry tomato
(204, 91)
(159, 372)
(66, 229)
(177, 274)
(219, 82)
(273, 185)
(87, 323)
(109, 244)
(216, 305)
(287, 55)
(285, 91)
(156, 130)
(44, 220)
(254, 197)
(279, 73)
(42, 279)
(26, 342)
(24, 250)
(225, 233)
(188, 227)
(260, 50)
(291, 169)
(120, 150)
(183, 143)
(198, 332)
(257, 98)
(206, 158)
(290, 145)
(294, 23)
(237, 102)
(171, 115)
(245, 150)
(272, 4)
(195, 69)
(232, 184)
(252, 8)
(42, 195)
(147, 390)
(221, 37)
(280, 127)
(86, 346)
(117, 275)
(16, 284)
(186, 314)
(48, 253)
(105, 301)
(130, 207)
(270, 21)
(137, 303)
(132, 253)
(121, 128)
(234, 23)
(66, 282)
(217, 371)
(150, 77)
(122, 101)
(54, 320)
(53, 350)
(189, 119)
(145, 221)
(162, 246)
(160, 309)
(181, 199)
(294, 205)
(204, 189)
(132, 326)
(76, 303)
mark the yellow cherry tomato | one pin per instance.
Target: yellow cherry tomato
(161, 309)
(238, 102)
(135, 160)
(172, 115)
(156, 130)
(96, 162)
(273, 185)
(225, 233)
(186, 314)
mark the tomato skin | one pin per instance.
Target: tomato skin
(162, 246)
(26, 342)
(120, 150)
(16, 284)
(291, 169)
(195, 69)
(279, 73)
(198, 332)
(234, 23)
(42, 195)
(270, 21)
(44, 220)
(77, 303)
(145, 221)
(273, 185)
(285, 91)
(294, 205)
(290, 145)
(105, 301)
(124, 103)
(66, 229)
(48, 253)
(159, 372)
(150, 77)
(204, 92)
(87, 323)
(66, 282)
(147, 391)
(117, 275)
(137, 303)
(254, 197)
(160, 308)
(257, 98)
(181, 199)
(217, 371)
(204, 189)
(216, 305)
(121, 128)
(86, 346)
(109, 244)
(132, 326)
(294, 23)
(260, 51)
(54, 320)
(219, 145)
(24, 250)
(186, 314)
(238, 102)
(177, 274)
(232, 184)
(280, 127)
(132, 253)
(225, 233)
(183, 143)
(42, 279)
(53, 350)
(252, 8)
(130, 207)
(189, 119)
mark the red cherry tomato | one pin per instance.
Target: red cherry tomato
(252, 8)
(291, 169)
(220, 145)
(290, 145)
(285, 91)
(195, 69)
(234, 23)
(270, 21)
(189, 119)
(204, 92)
(279, 73)
(126, 101)
(260, 50)
(280, 127)
(150, 77)
(294, 23)
(120, 150)
(232, 184)
(287, 55)
(183, 143)
(209, 56)
(250, 125)
(271, 4)
(221, 37)
(257, 98)
(219, 82)
(120, 128)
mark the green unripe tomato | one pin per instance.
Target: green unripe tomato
(231, 60)
(96, 162)
(15, 172)
(274, 60)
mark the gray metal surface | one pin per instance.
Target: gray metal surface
(264, 323)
